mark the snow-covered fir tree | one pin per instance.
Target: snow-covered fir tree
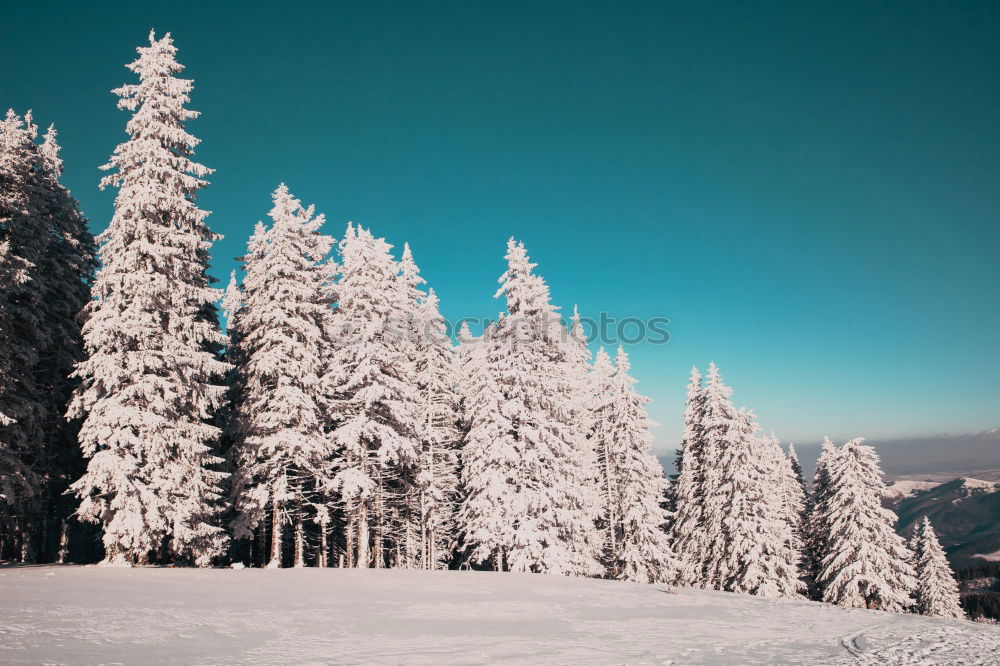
(23, 235)
(536, 510)
(937, 591)
(372, 396)
(489, 453)
(438, 420)
(152, 381)
(864, 563)
(279, 326)
(793, 502)
(816, 530)
(746, 532)
(689, 492)
(640, 547)
(68, 265)
(48, 262)
(422, 509)
(601, 381)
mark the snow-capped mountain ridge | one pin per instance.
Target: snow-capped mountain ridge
(965, 511)
(903, 488)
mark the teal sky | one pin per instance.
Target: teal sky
(810, 192)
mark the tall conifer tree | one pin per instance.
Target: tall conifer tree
(438, 420)
(152, 382)
(689, 489)
(25, 233)
(372, 396)
(864, 563)
(279, 323)
(537, 512)
(642, 551)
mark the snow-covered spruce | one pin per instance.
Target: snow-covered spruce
(24, 236)
(536, 509)
(489, 454)
(689, 492)
(152, 381)
(372, 398)
(638, 547)
(437, 427)
(816, 530)
(937, 591)
(68, 265)
(864, 563)
(422, 500)
(46, 257)
(279, 326)
(789, 479)
(746, 530)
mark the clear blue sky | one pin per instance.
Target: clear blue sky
(809, 191)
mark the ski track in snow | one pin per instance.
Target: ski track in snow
(92, 615)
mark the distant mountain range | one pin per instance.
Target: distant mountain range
(965, 513)
(933, 458)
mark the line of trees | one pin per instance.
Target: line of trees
(47, 260)
(337, 425)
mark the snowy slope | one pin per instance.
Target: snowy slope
(906, 488)
(89, 615)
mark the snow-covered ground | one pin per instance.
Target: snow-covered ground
(91, 615)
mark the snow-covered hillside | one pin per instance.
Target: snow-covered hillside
(907, 488)
(88, 615)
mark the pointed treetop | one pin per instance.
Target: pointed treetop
(50, 151)
(233, 298)
(714, 386)
(526, 293)
(576, 327)
(464, 334)
(157, 59)
(30, 125)
(602, 363)
(409, 270)
(791, 453)
(621, 360)
(713, 373)
(12, 130)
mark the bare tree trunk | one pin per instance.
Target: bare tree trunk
(378, 518)
(63, 553)
(275, 562)
(300, 550)
(321, 556)
(261, 550)
(28, 554)
(611, 490)
(363, 555)
(350, 541)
